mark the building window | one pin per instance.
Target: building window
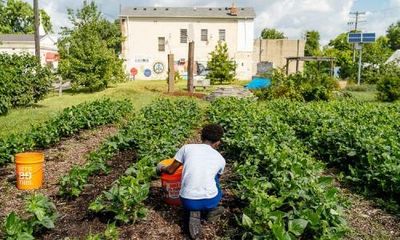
(222, 34)
(204, 35)
(184, 35)
(161, 44)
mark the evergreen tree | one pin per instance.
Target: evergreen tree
(222, 68)
(89, 50)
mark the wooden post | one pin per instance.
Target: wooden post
(297, 65)
(191, 67)
(287, 66)
(171, 73)
(37, 24)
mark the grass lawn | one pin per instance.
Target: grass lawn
(368, 96)
(139, 92)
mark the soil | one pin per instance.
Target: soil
(59, 160)
(187, 94)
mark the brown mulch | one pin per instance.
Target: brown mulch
(74, 219)
(187, 94)
(58, 161)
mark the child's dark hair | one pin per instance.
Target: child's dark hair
(212, 132)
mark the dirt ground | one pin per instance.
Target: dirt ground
(58, 161)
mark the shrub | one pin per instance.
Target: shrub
(222, 69)
(299, 86)
(389, 84)
(23, 81)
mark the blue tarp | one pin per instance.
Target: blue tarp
(258, 83)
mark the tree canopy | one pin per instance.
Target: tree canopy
(17, 16)
(89, 50)
(393, 34)
(271, 33)
(312, 43)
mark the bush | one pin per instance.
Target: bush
(222, 69)
(300, 87)
(23, 81)
(389, 84)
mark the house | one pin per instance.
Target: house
(25, 43)
(151, 33)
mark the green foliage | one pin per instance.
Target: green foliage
(42, 215)
(155, 134)
(286, 195)
(271, 33)
(89, 50)
(23, 81)
(360, 139)
(393, 33)
(222, 69)
(17, 16)
(300, 87)
(312, 47)
(68, 122)
(389, 84)
(111, 233)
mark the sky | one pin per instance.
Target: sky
(293, 17)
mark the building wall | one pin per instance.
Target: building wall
(46, 46)
(140, 49)
(276, 51)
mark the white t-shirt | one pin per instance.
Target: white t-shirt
(201, 163)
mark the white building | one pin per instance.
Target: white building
(395, 58)
(154, 32)
(25, 43)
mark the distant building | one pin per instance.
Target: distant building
(25, 43)
(154, 32)
(395, 58)
(276, 51)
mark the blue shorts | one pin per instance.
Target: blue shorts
(203, 204)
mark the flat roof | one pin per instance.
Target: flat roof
(18, 37)
(187, 12)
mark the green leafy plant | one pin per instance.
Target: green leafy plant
(42, 216)
(111, 233)
(389, 84)
(222, 69)
(286, 194)
(70, 121)
(155, 134)
(24, 81)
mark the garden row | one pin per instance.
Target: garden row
(360, 139)
(70, 121)
(286, 195)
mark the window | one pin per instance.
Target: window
(222, 34)
(204, 35)
(161, 44)
(184, 35)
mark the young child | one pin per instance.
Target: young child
(202, 166)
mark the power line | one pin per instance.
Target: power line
(356, 23)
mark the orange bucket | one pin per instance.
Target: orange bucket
(171, 184)
(29, 170)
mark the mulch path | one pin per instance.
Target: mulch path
(187, 94)
(58, 161)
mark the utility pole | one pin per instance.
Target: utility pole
(359, 64)
(357, 20)
(37, 24)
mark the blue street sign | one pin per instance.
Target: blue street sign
(361, 37)
(368, 37)
(354, 37)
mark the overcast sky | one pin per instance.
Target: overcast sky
(329, 17)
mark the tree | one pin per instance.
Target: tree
(17, 16)
(312, 43)
(389, 83)
(88, 50)
(271, 33)
(222, 69)
(393, 34)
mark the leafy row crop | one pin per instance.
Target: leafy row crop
(155, 134)
(70, 121)
(42, 215)
(361, 139)
(286, 194)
